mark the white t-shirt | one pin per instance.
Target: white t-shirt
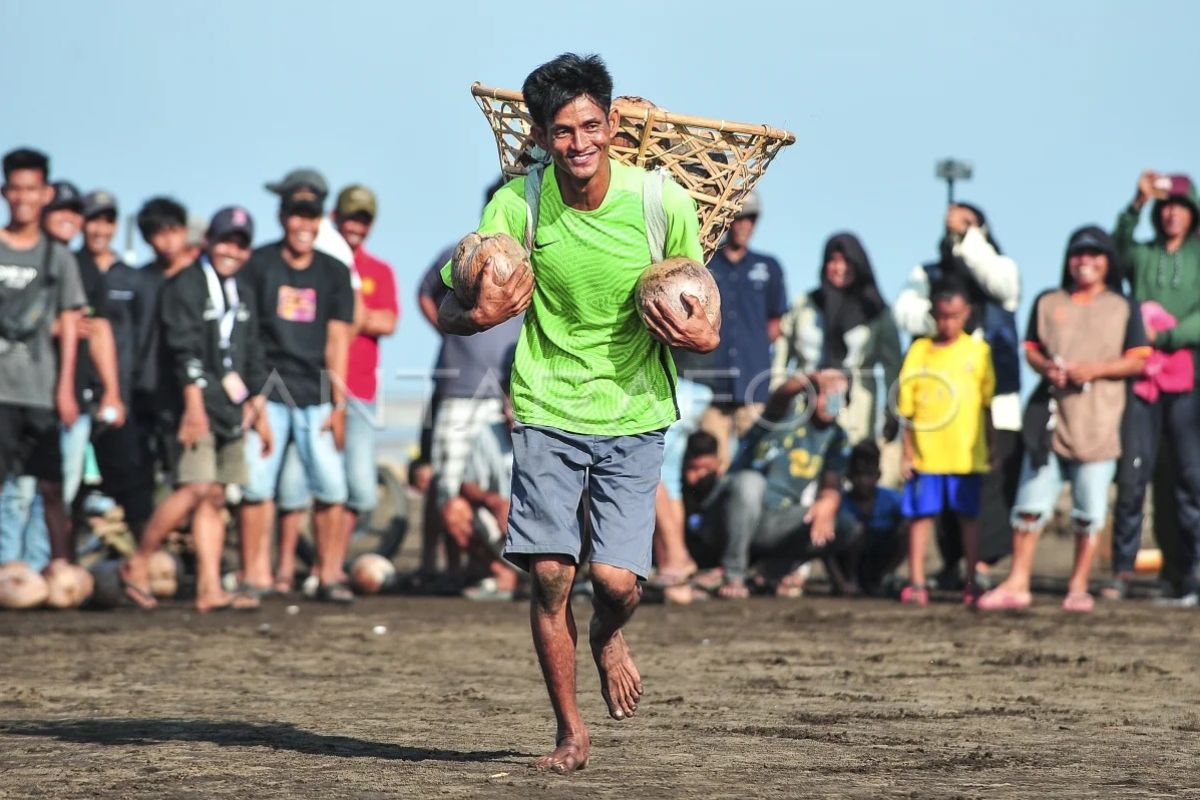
(332, 243)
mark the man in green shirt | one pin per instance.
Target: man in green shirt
(1165, 270)
(593, 388)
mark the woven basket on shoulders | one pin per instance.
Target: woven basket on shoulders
(717, 162)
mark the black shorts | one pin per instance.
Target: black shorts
(30, 443)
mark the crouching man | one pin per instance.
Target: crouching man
(781, 499)
(209, 328)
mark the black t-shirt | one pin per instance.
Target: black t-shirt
(295, 307)
(88, 386)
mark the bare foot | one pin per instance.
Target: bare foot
(733, 589)
(221, 601)
(571, 755)
(620, 682)
(135, 577)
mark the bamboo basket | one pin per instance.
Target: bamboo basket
(716, 161)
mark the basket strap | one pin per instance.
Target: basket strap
(533, 201)
(655, 212)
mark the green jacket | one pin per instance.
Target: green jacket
(1170, 279)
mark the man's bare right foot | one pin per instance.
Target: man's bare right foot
(135, 580)
(620, 682)
(571, 755)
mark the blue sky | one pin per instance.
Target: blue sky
(1058, 105)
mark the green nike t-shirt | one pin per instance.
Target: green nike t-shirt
(585, 362)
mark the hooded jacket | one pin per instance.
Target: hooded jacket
(848, 329)
(1170, 279)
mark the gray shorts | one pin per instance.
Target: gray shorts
(551, 469)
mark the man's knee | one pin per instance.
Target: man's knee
(748, 486)
(458, 520)
(551, 578)
(615, 587)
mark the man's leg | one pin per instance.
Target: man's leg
(1182, 416)
(292, 501)
(359, 455)
(326, 471)
(1140, 431)
(1040, 488)
(208, 534)
(555, 637)
(127, 472)
(256, 516)
(743, 514)
(615, 599)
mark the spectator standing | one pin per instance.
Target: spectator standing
(1165, 270)
(40, 290)
(210, 334)
(63, 217)
(753, 300)
(946, 387)
(306, 312)
(969, 254)
(1085, 339)
(844, 324)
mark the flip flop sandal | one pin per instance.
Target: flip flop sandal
(142, 598)
(709, 580)
(335, 593)
(1078, 602)
(1004, 600)
(667, 579)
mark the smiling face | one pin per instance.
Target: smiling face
(27, 194)
(838, 271)
(229, 253)
(300, 232)
(1088, 268)
(578, 137)
(1176, 220)
(354, 228)
(98, 233)
(63, 224)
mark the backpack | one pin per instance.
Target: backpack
(652, 207)
(25, 312)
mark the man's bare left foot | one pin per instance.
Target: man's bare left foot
(620, 683)
(571, 755)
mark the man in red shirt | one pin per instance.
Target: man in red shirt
(354, 215)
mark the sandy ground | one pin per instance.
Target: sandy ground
(811, 697)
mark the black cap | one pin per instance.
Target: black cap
(97, 203)
(305, 177)
(1091, 238)
(231, 220)
(302, 201)
(66, 195)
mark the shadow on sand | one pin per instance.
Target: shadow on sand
(277, 735)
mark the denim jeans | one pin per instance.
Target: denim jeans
(1089, 491)
(323, 467)
(23, 533)
(359, 455)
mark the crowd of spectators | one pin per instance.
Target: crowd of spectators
(243, 381)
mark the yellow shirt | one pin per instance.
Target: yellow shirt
(945, 390)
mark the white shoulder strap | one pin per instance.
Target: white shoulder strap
(655, 212)
(533, 201)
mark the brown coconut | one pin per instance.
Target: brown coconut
(21, 587)
(164, 574)
(475, 251)
(672, 278)
(68, 585)
(371, 573)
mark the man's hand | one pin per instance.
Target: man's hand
(66, 405)
(263, 429)
(1151, 334)
(1080, 374)
(675, 330)
(907, 469)
(1057, 374)
(335, 423)
(500, 302)
(193, 427)
(84, 327)
(820, 519)
(113, 401)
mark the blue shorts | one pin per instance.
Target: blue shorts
(551, 469)
(362, 427)
(321, 462)
(930, 495)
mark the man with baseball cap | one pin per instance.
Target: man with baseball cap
(63, 217)
(306, 315)
(210, 335)
(753, 300)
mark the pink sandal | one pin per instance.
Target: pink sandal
(1078, 602)
(1003, 600)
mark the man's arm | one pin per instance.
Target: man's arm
(337, 355)
(822, 514)
(102, 347)
(494, 502)
(496, 303)
(912, 305)
(68, 342)
(996, 273)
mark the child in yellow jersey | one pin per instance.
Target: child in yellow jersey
(946, 387)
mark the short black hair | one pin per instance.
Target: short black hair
(158, 213)
(26, 158)
(556, 83)
(700, 443)
(864, 458)
(948, 288)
